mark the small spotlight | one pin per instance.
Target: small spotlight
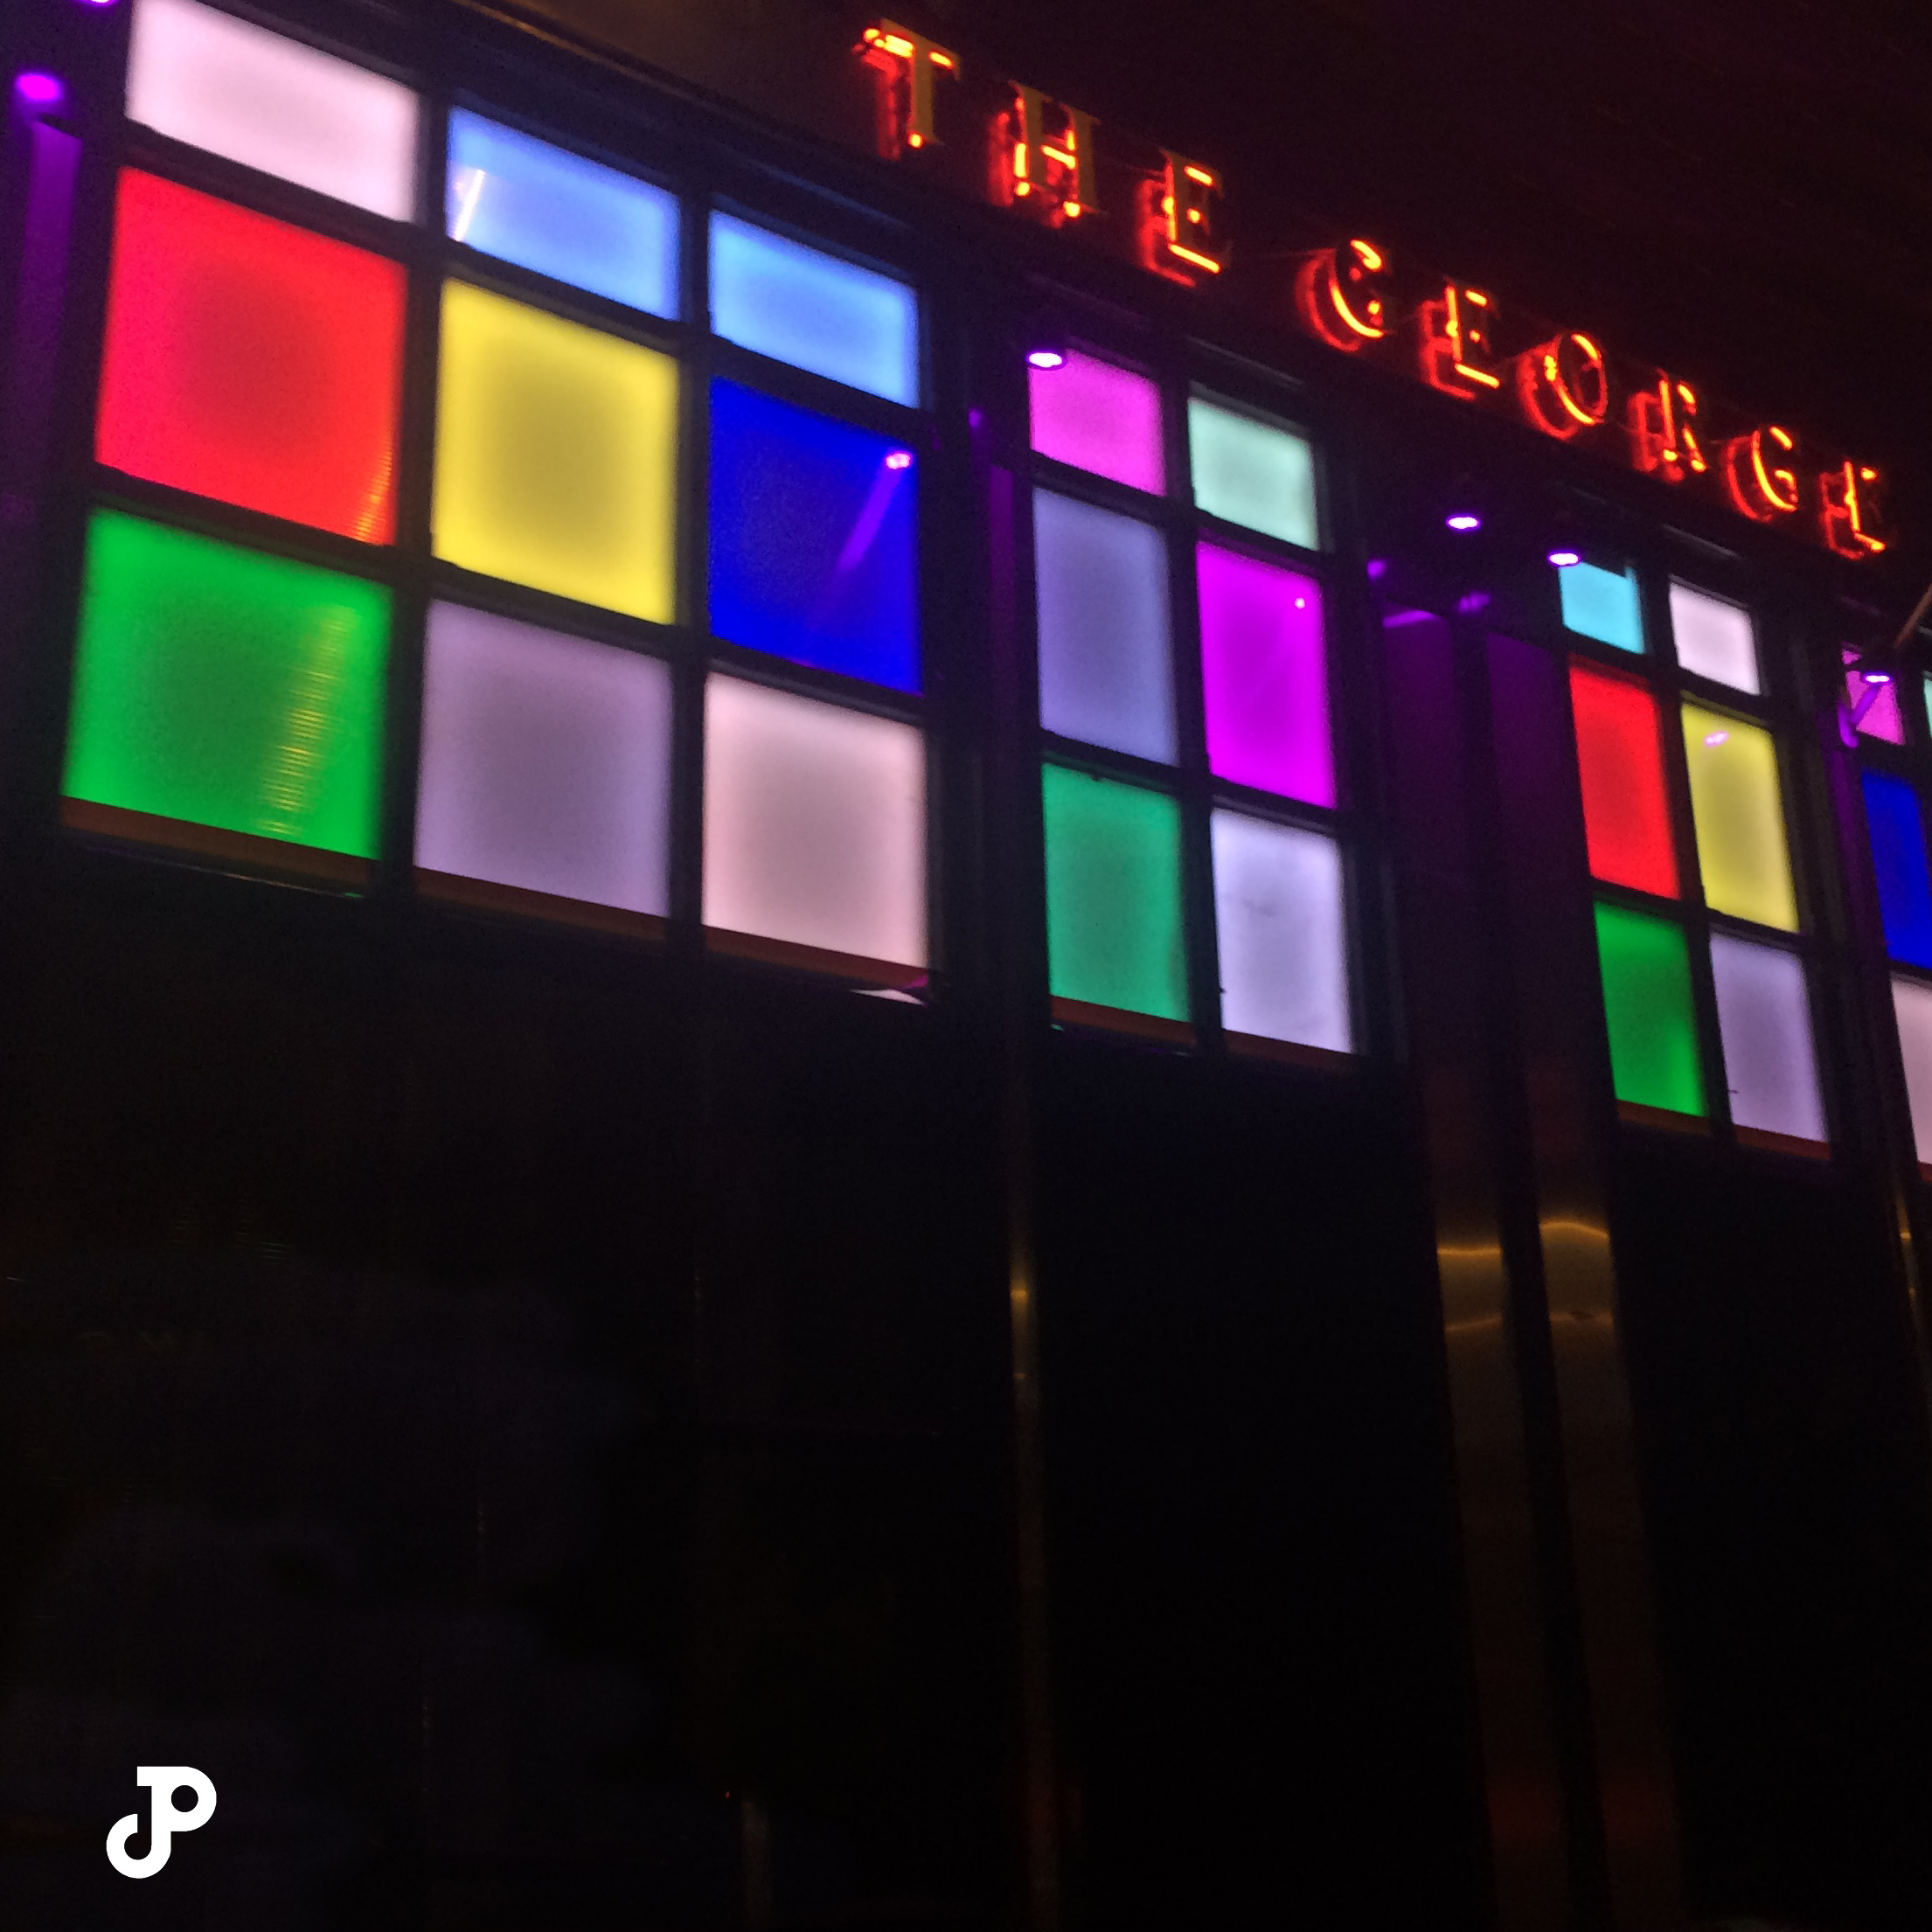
(1873, 675)
(900, 458)
(38, 91)
(1464, 519)
(1047, 357)
(1717, 738)
(1564, 559)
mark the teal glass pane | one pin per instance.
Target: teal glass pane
(1647, 1006)
(1601, 604)
(1252, 474)
(1114, 930)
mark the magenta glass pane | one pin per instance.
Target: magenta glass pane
(1096, 417)
(1881, 717)
(1264, 677)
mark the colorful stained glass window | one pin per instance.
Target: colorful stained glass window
(1114, 928)
(1648, 1008)
(1264, 677)
(556, 453)
(218, 687)
(1619, 760)
(1278, 915)
(1601, 604)
(546, 763)
(1738, 812)
(251, 361)
(1105, 672)
(1764, 1026)
(1875, 705)
(800, 305)
(814, 531)
(1252, 474)
(1714, 639)
(1897, 833)
(1095, 416)
(250, 95)
(814, 828)
(509, 194)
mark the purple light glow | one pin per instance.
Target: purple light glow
(1377, 569)
(1099, 418)
(1046, 358)
(38, 91)
(1464, 519)
(1872, 701)
(1564, 559)
(1264, 677)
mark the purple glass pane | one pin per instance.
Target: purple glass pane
(1765, 1021)
(546, 763)
(1264, 677)
(1096, 417)
(1881, 717)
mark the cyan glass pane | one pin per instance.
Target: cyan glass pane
(524, 201)
(1105, 671)
(1897, 833)
(1252, 474)
(1601, 604)
(798, 305)
(813, 531)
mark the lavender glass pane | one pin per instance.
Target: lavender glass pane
(1105, 667)
(1912, 1006)
(1264, 677)
(1096, 417)
(1764, 1022)
(545, 761)
(1278, 917)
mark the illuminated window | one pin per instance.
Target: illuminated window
(1250, 473)
(815, 831)
(555, 454)
(545, 764)
(559, 215)
(1601, 604)
(217, 687)
(251, 361)
(1106, 676)
(1739, 814)
(1714, 639)
(269, 102)
(1874, 705)
(1619, 760)
(1092, 416)
(813, 530)
(1114, 928)
(1648, 1007)
(802, 306)
(1764, 1026)
(1897, 834)
(1278, 912)
(1912, 1007)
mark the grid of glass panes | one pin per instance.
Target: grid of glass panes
(1706, 981)
(655, 483)
(1194, 868)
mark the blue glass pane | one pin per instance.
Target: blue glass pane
(813, 528)
(524, 201)
(1601, 604)
(1898, 858)
(1105, 672)
(796, 305)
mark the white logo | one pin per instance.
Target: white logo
(163, 1781)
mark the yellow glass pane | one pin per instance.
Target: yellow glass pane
(1739, 813)
(556, 452)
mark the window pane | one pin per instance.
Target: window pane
(1106, 669)
(1096, 417)
(1647, 1008)
(268, 102)
(1264, 677)
(223, 688)
(801, 306)
(1912, 1004)
(524, 201)
(1113, 894)
(814, 826)
(1897, 833)
(1620, 758)
(1252, 474)
(251, 361)
(555, 454)
(545, 761)
(1881, 717)
(1601, 604)
(1764, 1022)
(1738, 812)
(1283, 947)
(813, 529)
(1714, 639)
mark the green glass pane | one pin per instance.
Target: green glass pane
(1252, 474)
(1113, 894)
(1647, 1004)
(1601, 604)
(224, 688)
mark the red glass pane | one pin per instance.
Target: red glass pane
(1620, 754)
(251, 361)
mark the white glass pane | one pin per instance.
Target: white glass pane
(1713, 638)
(546, 763)
(1764, 1022)
(269, 102)
(1283, 945)
(815, 824)
(1912, 1004)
